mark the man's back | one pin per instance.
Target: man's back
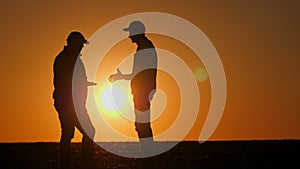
(65, 66)
(63, 72)
(144, 67)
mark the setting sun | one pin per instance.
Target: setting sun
(113, 99)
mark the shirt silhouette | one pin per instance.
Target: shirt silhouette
(143, 84)
(69, 95)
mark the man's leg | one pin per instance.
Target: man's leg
(145, 137)
(67, 133)
(65, 152)
(142, 123)
(88, 133)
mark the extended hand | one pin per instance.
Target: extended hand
(91, 83)
(116, 76)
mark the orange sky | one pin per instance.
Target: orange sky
(258, 43)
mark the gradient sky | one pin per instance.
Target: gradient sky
(258, 43)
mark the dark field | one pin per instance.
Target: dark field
(186, 155)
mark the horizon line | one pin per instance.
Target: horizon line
(234, 140)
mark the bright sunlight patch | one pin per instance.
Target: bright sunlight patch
(112, 99)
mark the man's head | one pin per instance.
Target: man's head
(76, 39)
(75, 42)
(136, 30)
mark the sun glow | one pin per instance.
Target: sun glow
(112, 99)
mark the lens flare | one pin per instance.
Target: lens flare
(201, 74)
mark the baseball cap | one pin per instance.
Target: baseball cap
(77, 36)
(135, 28)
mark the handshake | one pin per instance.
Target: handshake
(117, 76)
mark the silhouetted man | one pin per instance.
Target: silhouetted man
(143, 83)
(69, 95)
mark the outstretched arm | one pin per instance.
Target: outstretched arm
(119, 76)
(91, 83)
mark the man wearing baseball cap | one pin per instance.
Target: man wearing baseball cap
(71, 91)
(143, 83)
